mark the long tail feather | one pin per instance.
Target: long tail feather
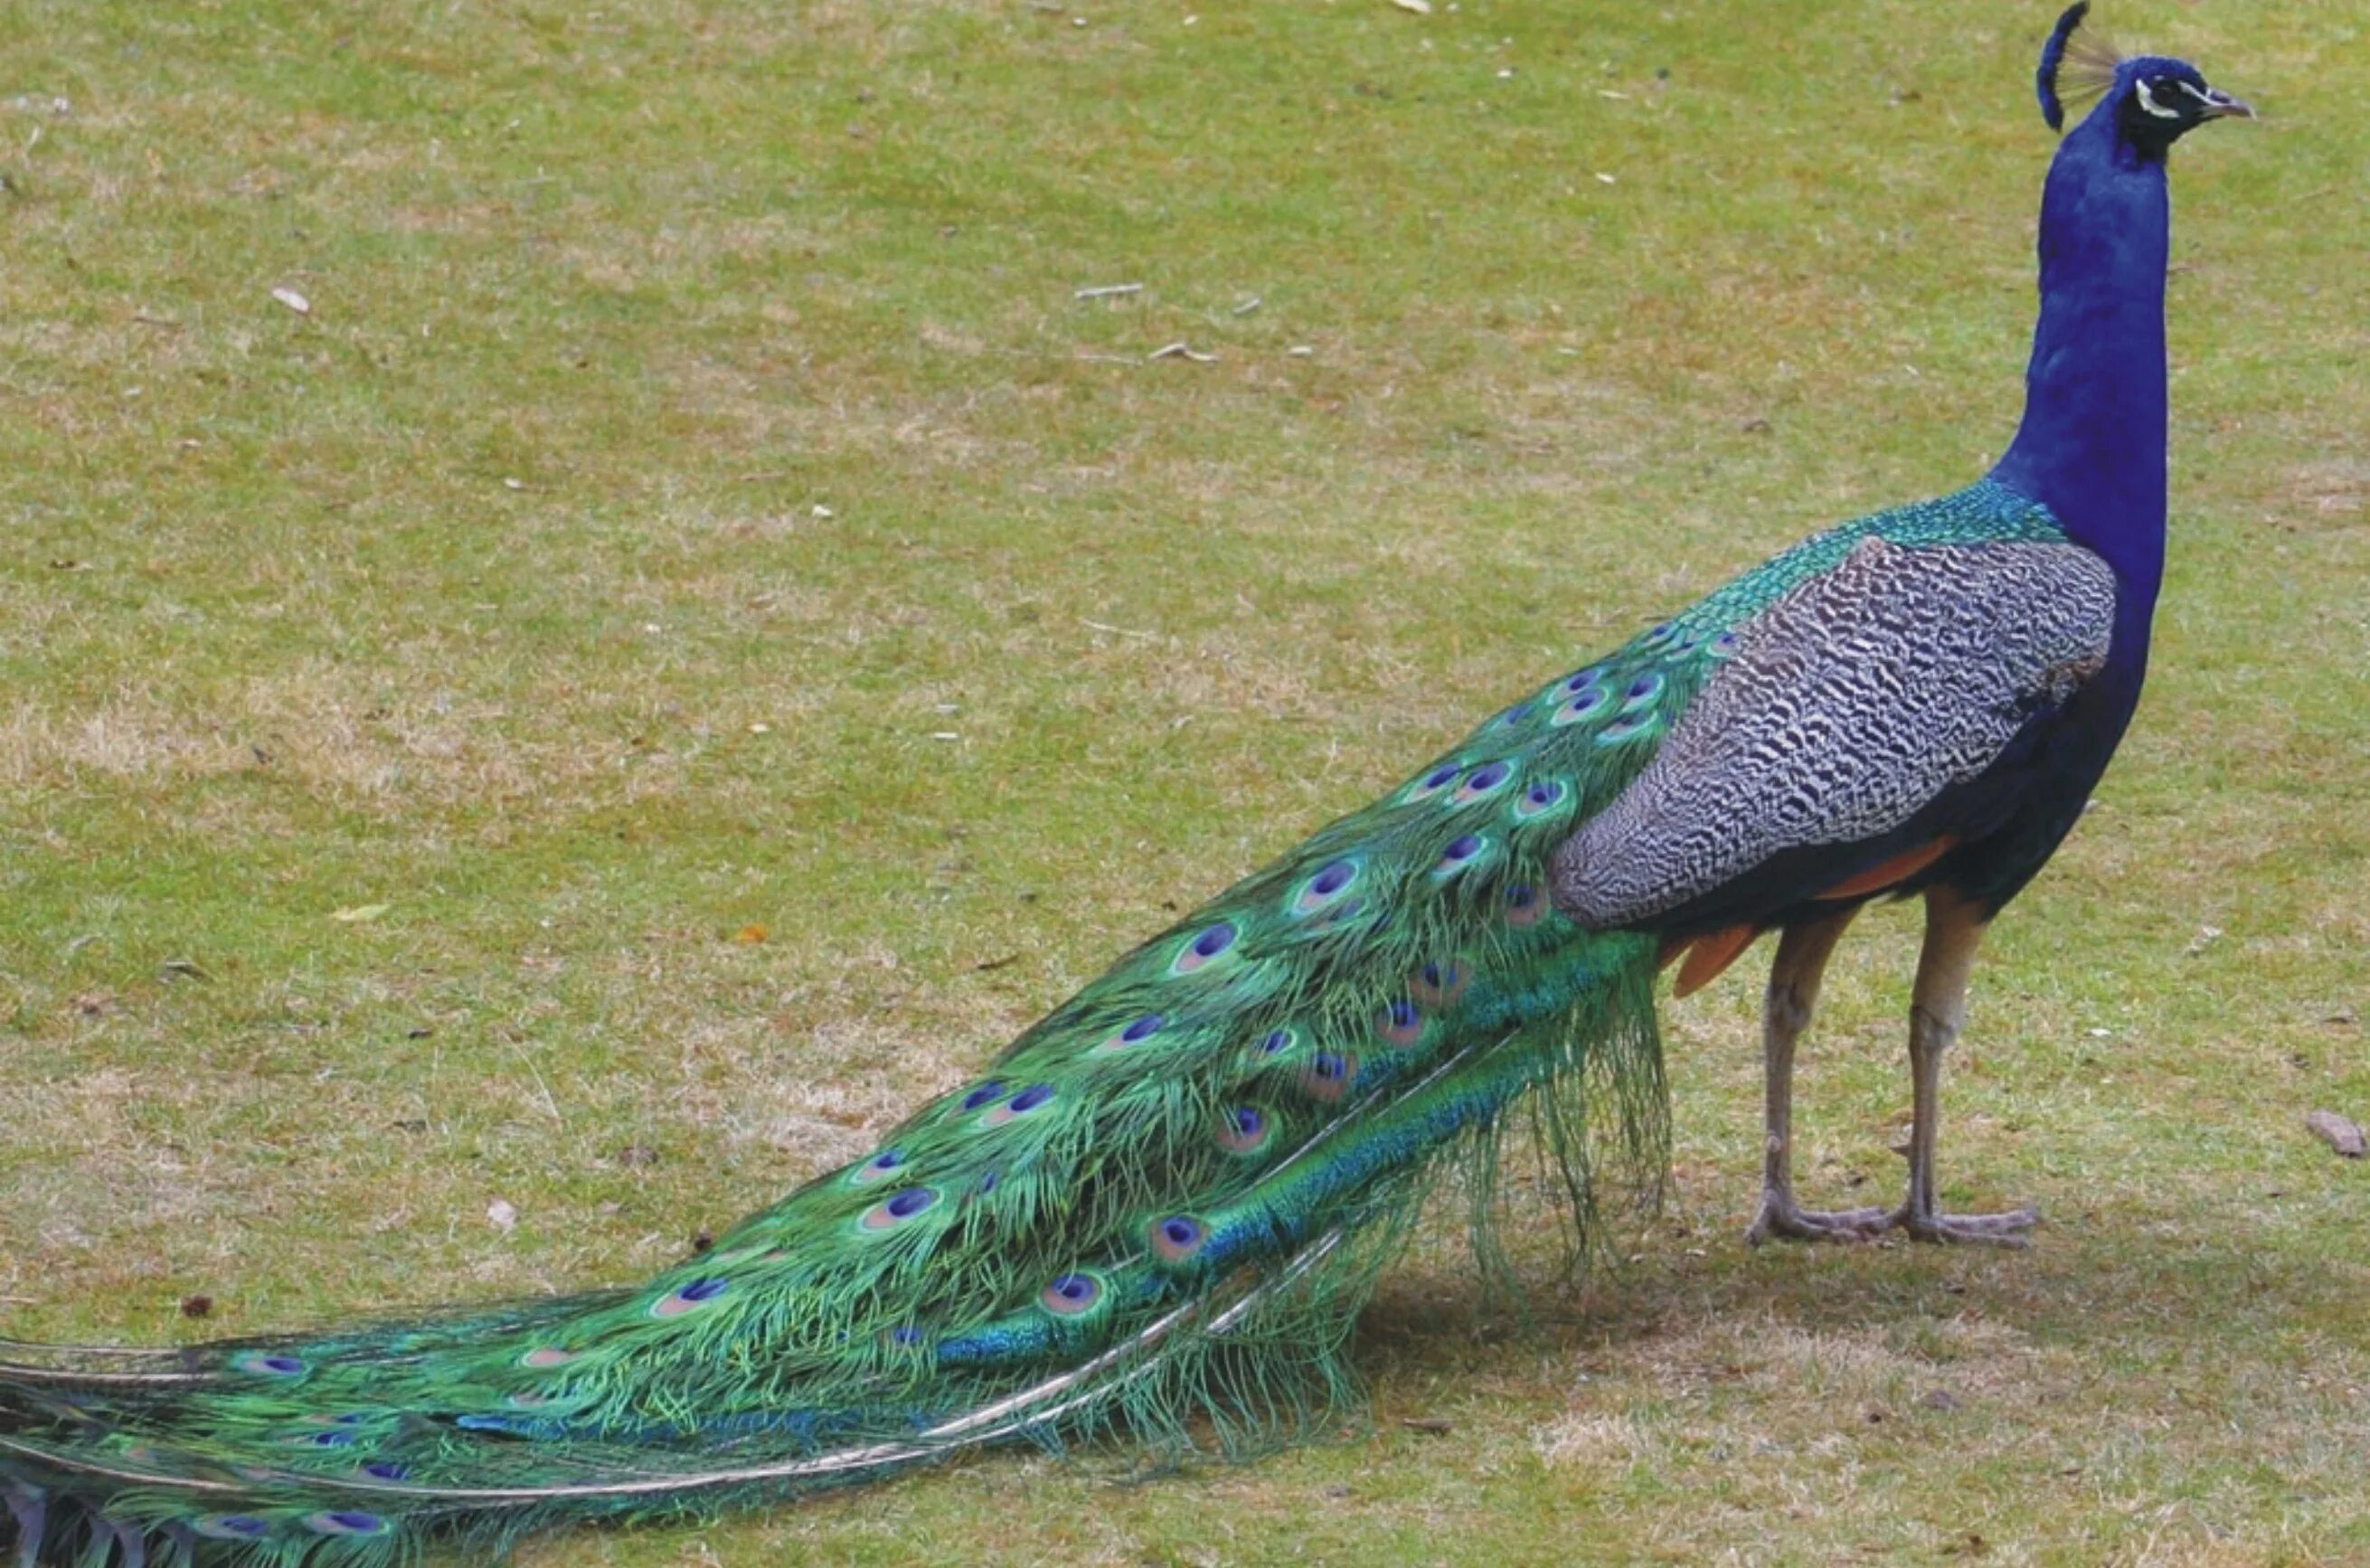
(1155, 1215)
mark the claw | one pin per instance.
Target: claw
(1780, 1219)
(2009, 1229)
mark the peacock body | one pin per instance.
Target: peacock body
(1158, 1208)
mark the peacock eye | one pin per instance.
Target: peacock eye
(2146, 89)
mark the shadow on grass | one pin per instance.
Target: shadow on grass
(2127, 1293)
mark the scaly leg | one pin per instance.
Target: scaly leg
(1938, 1007)
(1794, 976)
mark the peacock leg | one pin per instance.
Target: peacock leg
(1793, 995)
(1938, 1008)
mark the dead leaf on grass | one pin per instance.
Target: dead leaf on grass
(2339, 1133)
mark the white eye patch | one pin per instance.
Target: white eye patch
(2148, 102)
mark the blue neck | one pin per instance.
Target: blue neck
(2092, 444)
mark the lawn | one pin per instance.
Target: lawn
(587, 614)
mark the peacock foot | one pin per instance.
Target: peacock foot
(1782, 1220)
(2012, 1228)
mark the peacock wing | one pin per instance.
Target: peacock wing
(1856, 702)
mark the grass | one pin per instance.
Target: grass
(694, 502)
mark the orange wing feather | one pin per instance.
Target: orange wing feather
(1886, 873)
(1707, 955)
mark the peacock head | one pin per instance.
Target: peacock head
(2153, 99)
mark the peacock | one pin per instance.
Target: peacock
(1156, 1212)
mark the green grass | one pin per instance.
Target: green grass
(693, 423)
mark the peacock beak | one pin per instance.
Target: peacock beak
(2220, 105)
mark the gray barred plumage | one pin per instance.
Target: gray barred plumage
(1852, 702)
